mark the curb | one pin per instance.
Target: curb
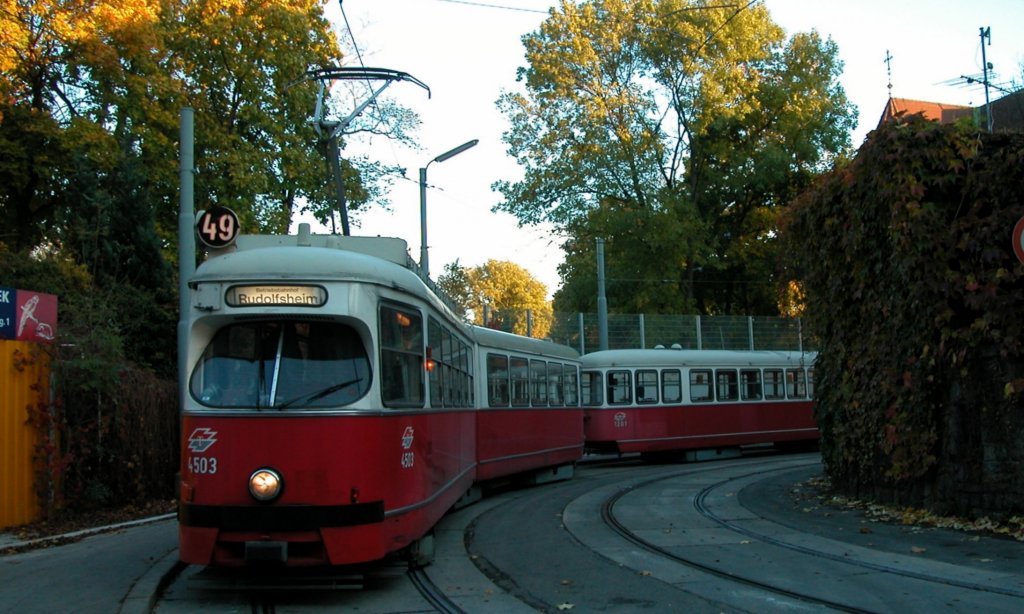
(83, 533)
(144, 594)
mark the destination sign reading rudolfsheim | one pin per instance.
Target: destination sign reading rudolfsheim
(264, 295)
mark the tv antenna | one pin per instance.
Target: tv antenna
(984, 33)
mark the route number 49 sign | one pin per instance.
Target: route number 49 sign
(217, 227)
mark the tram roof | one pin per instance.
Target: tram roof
(316, 258)
(300, 263)
(488, 338)
(694, 358)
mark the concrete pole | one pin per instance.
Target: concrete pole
(602, 300)
(186, 242)
(424, 255)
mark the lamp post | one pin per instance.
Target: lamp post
(424, 261)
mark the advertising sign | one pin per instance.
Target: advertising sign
(27, 315)
(7, 308)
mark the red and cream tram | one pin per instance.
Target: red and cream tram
(531, 416)
(659, 401)
(336, 408)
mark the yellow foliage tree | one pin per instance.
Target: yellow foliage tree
(509, 292)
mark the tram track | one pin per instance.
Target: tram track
(432, 593)
(610, 519)
(805, 555)
(612, 584)
(630, 537)
(705, 511)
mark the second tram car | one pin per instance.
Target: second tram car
(336, 408)
(531, 415)
(660, 401)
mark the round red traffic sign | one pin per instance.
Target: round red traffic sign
(1018, 239)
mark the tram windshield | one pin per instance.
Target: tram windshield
(291, 364)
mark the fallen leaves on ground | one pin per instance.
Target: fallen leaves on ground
(70, 522)
(874, 512)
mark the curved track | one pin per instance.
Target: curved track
(955, 577)
(609, 517)
(432, 593)
(695, 536)
(708, 537)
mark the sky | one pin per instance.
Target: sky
(467, 52)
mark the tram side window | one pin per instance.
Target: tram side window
(751, 388)
(570, 381)
(671, 386)
(810, 383)
(497, 380)
(448, 376)
(538, 383)
(774, 384)
(727, 385)
(591, 384)
(796, 384)
(520, 371)
(619, 388)
(463, 374)
(700, 385)
(555, 390)
(647, 386)
(401, 357)
(466, 379)
(434, 363)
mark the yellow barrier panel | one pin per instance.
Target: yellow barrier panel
(22, 365)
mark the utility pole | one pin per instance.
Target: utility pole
(186, 240)
(986, 33)
(602, 300)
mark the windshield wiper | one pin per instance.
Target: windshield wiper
(319, 394)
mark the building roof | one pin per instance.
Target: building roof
(1007, 112)
(935, 111)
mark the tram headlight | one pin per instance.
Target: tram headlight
(265, 484)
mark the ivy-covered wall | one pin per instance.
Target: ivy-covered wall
(915, 293)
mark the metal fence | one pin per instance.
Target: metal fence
(580, 331)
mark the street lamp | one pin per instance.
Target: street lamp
(451, 153)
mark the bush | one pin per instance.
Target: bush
(109, 434)
(914, 292)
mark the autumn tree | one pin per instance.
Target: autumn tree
(454, 284)
(95, 89)
(675, 130)
(90, 96)
(508, 293)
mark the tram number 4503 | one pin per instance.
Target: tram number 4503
(202, 465)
